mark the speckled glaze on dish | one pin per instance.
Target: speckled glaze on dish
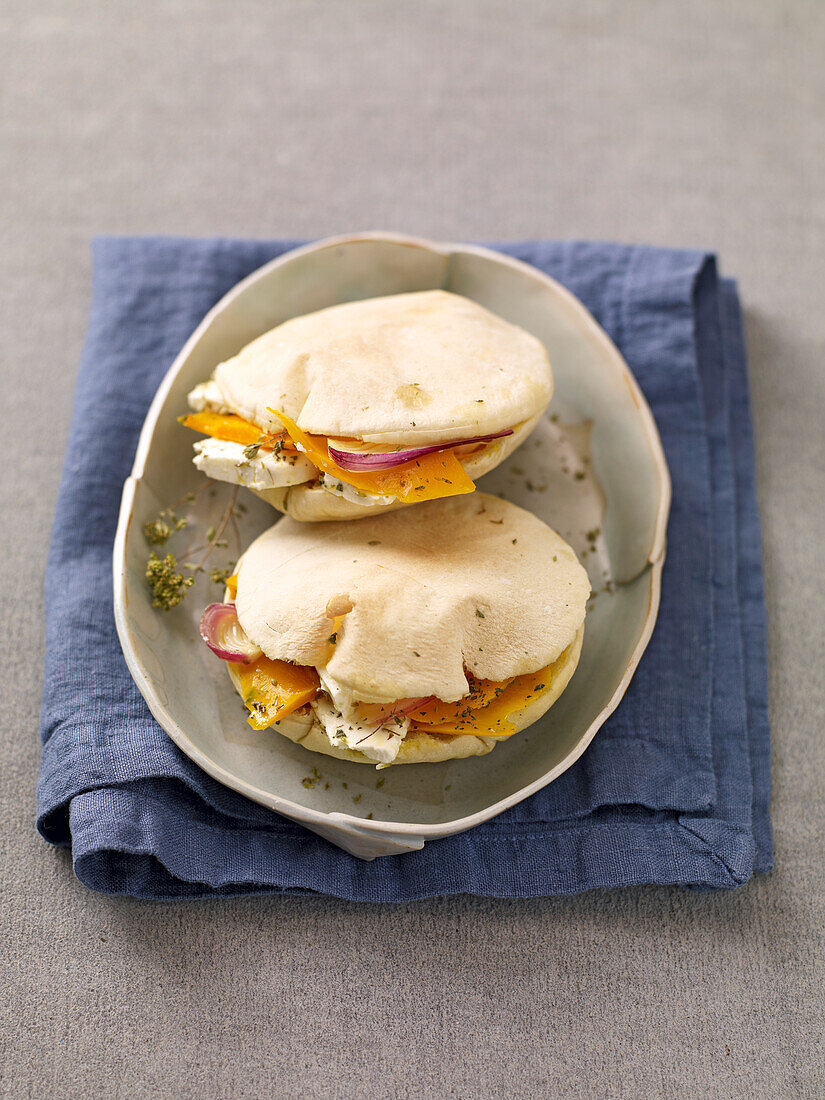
(593, 469)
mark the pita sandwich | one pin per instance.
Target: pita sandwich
(368, 406)
(414, 637)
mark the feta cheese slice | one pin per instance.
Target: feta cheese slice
(226, 461)
(381, 744)
(340, 488)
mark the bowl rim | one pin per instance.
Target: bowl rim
(655, 561)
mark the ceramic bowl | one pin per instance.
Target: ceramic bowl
(594, 469)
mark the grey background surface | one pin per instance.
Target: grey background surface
(682, 124)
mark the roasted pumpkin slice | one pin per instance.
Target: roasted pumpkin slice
(233, 429)
(273, 689)
(439, 474)
(486, 710)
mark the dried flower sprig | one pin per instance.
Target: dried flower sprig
(157, 531)
(167, 584)
(168, 587)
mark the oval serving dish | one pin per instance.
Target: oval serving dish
(612, 508)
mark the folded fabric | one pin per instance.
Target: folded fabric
(675, 787)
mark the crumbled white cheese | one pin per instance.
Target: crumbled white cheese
(225, 461)
(207, 396)
(379, 743)
(353, 724)
(340, 488)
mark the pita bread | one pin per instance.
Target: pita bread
(420, 747)
(416, 598)
(445, 580)
(309, 503)
(404, 369)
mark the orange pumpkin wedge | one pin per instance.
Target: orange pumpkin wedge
(486, 711)
(232, 429)
(439, 474)
(273, 689)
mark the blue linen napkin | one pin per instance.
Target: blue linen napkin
(675, 787)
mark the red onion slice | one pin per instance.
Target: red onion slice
(399, 708)
(365, 460)
(225, 636)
